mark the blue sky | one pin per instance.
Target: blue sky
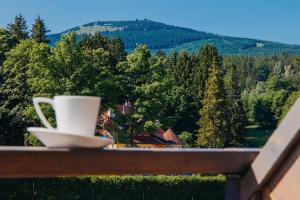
(275, 20)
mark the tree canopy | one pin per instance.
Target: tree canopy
(206, 97)
(39, 30)
(18, 29)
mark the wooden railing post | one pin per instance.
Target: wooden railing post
(232, 187)
(273, 158)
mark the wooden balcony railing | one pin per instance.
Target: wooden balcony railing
(19, 162)
(49, 162)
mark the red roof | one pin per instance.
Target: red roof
(158, 137)
(169, 135)
(147, 139)
(159, 133)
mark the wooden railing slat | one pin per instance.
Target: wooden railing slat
(51, 162)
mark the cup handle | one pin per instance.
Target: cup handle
(36, 104)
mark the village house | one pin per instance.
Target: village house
(158, 139)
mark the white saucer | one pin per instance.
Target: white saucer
(54, 138)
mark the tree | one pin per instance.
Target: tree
(100, 42)
(278, 98)
(5, 44)
(18, 29)
(181, 71)
(289, 103)
(261, 112)
(77, 70)
(33, 68)
(187, 138)
(117, 49)
(152, 94)
(39, 31)
(137, 68)
(207, 55)
(15, 93)
(145, 90)
(24, 71)
(214, 111)
(236, 117)
(182, 105)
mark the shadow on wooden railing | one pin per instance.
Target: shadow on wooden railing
(272, 173)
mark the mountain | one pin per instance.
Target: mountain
(160, 36)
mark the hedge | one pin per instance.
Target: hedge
(115, 188)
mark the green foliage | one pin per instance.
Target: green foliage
(180, 110)
(31, 140)
(39, 31)
(212, 131)
(83, 71)
(139, 66)
(5, 44)
(151, 126)
(146, 90)
(33, 69)
(236, 116)
(25, 73)
(15, 93)
(117, 49)
(115, 188)
(16, 189)
(187, 138)
(181, 99)
(237, 46)
(289, 103)
(18, 29)
(170, 38)
(165, 90)
(266, 106)
(257, 137)
(261, 112)
(207, 55)
(222, 117)
(279, 98)
(136, 75)
(154, 34)
(115, 46)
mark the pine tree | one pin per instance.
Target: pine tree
(5, 45)
(213, 112)
(18, 29)
(207, 55)
(236, 118)
(117, 49)
(182, 69)
(39, 31)
(100, 42)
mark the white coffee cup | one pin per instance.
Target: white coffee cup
(74, 114)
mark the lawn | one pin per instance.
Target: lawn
(257, 137)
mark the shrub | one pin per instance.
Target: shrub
(115, 188)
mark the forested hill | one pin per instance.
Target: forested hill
(168, 38)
